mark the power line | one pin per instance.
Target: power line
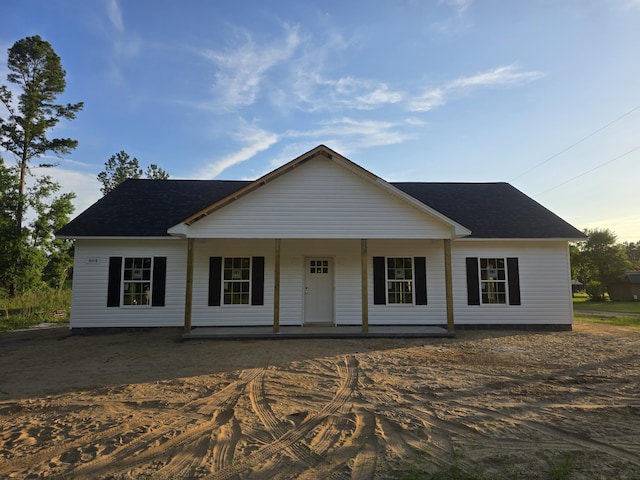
(589, 171)
(577, 143)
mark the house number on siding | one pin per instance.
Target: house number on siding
(93, 260)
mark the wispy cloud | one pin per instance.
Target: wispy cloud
(243, 67)
(115, 15)
(504, 76)
(507, 75)
(254, 140)
(459, 5)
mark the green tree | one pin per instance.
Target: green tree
(633, 253)
(26, 250)
(605, 258)
(121, 166)
(36, 68)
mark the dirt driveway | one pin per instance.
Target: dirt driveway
(495, 404)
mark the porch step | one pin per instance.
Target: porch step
(378, 331)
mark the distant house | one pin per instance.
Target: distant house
(627, 290)
(319, 241)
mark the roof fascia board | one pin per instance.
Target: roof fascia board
(81, 237)
(527, 239)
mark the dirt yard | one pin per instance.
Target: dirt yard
(494, 404)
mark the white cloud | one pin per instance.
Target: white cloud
(459, 5)
(430, 99)
(242, 69)
(85, 185)
(115, 15)
(507, 75)
(255, 140)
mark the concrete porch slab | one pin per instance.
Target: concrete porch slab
(267, 333)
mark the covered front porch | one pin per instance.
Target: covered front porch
(332, 288)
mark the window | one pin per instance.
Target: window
(237, 280)
(400, 280)
(317, 267)
(493, 280)
(136, 281)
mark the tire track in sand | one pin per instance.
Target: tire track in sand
(136, 452)
(349, 373)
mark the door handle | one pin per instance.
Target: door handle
(306, 290)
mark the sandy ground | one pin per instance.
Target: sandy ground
(144, 405)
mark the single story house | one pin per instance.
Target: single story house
(319, 241)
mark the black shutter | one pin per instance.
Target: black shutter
(514, 281)
(113, 288)
(379, 290)
(159, 281)
(215, 280)
(420, 265)
(257, 281)
(473, 284)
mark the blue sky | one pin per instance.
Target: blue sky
(544, 95)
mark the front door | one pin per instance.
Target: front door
(318, 290)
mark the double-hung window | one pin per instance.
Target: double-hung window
(136, 281)
(400, 280)
(237, 280)
(493, 280)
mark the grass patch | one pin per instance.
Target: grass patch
(33, 308)
(619, 320)
(582, 302)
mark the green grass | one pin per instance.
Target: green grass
(582, 302)
(33, 308)
(619, 320)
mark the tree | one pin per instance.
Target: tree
(121, 166)
(633, 253)
(606, 259)
(26, 250)
(36, 69)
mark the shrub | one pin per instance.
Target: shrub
(595, 290)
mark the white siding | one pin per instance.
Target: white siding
(90, 278)
(543, 266)
(319, 199)
(435, 312)
(231, 315)
(545, 283)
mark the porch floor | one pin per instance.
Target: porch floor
(355, 331)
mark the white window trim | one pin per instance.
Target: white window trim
(413, 283)
(123, 281)
(505, 281)
(222, 281)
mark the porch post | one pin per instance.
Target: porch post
(448, 283)
(188, 296)
(365, 288)
(276, 289)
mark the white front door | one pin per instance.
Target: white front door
(318, 290)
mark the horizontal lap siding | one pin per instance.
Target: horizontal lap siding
(231, 315)
(90, 277)
(434, 313)
(347, 278)
(545, 283)
(319, 199)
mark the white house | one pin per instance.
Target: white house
(319, 241)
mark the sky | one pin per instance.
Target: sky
(543, 94)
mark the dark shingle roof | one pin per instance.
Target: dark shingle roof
(491, 210)
(147, 208)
